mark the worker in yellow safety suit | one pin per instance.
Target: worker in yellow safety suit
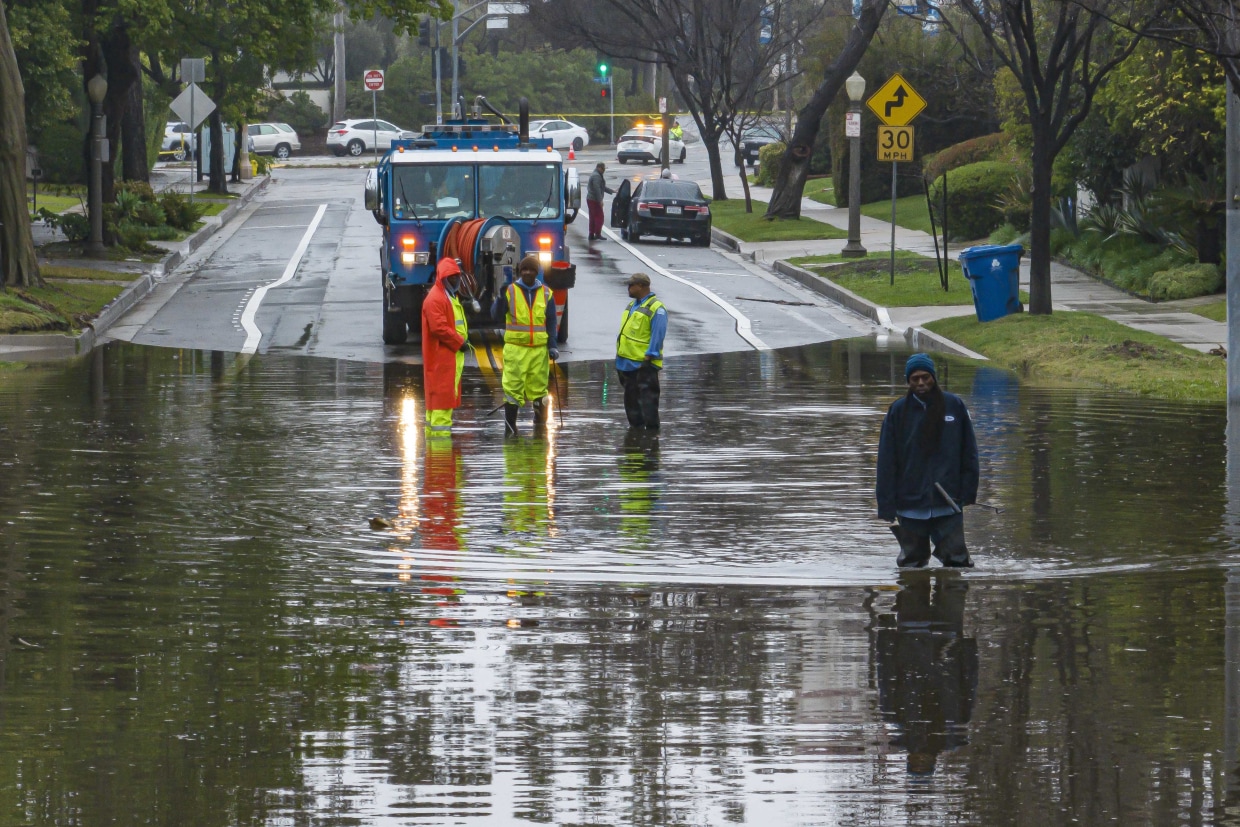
(528, 308)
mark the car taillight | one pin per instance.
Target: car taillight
(645, 206)
(342, 131)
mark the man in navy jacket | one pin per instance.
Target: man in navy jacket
(927, 469)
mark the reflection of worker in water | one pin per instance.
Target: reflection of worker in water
(441, 503)
(528, 487)
(927, 668)
(639, 494)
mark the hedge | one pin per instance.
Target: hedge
(769, 158)
(973, 195)
(986, 148)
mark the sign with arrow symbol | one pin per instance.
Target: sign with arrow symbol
(896, 103)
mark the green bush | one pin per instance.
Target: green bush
(973, 195)
(141, 189)
(179, 212)
(150, 214)
(986, 148)
(299, 112)
(132, 236)
(61, 154)
(75, 225)
(1186, 282)
(769, 158)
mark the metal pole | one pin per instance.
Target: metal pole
(1232, 213)
(456, 89)
(893, 223)
(666, 140)
(374, 119)
(95, 244)
(611, 100)
(436, 65)
(338, 58)
(195, 163)
(854, 249)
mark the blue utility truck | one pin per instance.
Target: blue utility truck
(480, 192)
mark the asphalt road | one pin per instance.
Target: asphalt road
(298, 272)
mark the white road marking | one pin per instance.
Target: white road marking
(744, 328)
(253, 334)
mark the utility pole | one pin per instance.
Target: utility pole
(338, 61)
(456, 87)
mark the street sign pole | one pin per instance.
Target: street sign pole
(374, 119)
(893, 223)
(611, 100)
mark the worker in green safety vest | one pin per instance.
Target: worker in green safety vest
(639, 352)
(528, 309)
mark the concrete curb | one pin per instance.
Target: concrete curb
(918, 337)
(53, 346)
(728, 242)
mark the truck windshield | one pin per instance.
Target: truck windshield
(519, 190)
(433, 191)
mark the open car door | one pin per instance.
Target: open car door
(620, 204)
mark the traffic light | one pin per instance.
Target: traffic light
(602, 69)
(604, 92)
(424, 33)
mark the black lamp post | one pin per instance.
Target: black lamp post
(855, 85)
(96, 90)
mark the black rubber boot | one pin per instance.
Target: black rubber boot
(953, 552)
(541, 410)
(510, 418)
(914, 548)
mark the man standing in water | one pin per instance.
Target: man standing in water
(927, 469)
(639, 352)
(528, 309)
(444, 337)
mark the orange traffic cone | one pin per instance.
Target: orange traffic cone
(572, 156)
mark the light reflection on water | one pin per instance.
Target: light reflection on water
(595, 626)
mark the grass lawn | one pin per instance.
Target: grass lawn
(55, 203)
(730, 216)
(1074, 349)
(916, 283)
(911, 212)
(821, 190)
(64, 306)
(836, 258)
(58, 273)
(1214, 310)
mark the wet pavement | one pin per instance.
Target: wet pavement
(199, 624)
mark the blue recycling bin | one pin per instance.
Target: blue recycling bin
(993, 271)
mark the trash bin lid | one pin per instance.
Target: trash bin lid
(989, 250)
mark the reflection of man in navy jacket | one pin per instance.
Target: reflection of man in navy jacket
(927, 668)
(927, 469)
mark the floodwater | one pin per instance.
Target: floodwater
(200, 626)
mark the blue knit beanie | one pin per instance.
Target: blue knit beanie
(919, 361)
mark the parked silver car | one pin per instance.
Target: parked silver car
(179, 141)
(278, 139)
(358, 136)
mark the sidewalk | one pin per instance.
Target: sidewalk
(1070, 289)
(30, 347)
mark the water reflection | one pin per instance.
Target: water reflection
(927, 667)
(199, 626)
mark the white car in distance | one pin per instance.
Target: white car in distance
(179, 140)
(356, 137)
(563, 134)
(277, 139)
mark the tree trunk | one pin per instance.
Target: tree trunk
(19, 266)
(794, 165)
(134, 164)
(122, 75)
(217, 180)
(719, 191)
(1040, 227)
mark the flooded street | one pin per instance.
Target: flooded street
(248, 591)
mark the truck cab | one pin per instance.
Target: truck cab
(483, 193)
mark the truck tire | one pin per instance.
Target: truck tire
(561, 332)
(394, 328)
(413, 319)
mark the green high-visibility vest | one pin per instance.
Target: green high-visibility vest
(634, 338)
(526, 324)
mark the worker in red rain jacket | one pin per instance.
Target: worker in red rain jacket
(444, 338)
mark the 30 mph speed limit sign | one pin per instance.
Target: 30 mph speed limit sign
(895, 143)
(373, 80)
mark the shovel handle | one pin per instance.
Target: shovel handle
(948, 497)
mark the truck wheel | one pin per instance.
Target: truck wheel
(561, 332)
(413, 318)
(681, 159)
(394, 330)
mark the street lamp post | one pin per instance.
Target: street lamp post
(856, 91)
(96, 90)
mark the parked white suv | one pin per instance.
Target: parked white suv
(278, 139)
(356, 137)
(179, 140)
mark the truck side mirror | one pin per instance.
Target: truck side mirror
(572, 195)
(372, 190)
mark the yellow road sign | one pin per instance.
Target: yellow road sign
(895, 143)
(895, 102)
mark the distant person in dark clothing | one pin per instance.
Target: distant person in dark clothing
(596, 187)
(927, 469)
(926, 667)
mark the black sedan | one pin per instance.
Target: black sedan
(673, 209)
(754, 139)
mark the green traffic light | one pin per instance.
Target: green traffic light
(602, 69)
